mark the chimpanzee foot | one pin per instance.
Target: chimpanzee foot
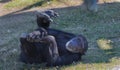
(36, 36)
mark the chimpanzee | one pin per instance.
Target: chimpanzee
(55, 47)
(91, 5)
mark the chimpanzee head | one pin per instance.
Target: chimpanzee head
(45, 18)
(77, 45)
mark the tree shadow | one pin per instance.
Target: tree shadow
(34, 5)
(40, 3)
(4, 1)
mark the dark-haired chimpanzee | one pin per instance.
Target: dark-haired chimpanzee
(50, 45)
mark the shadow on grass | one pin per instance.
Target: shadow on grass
(4, 1)
(93, 55)
(40, 3)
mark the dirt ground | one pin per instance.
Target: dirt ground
(4, 11)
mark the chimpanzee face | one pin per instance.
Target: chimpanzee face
(76, 45)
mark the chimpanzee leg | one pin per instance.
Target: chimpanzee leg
(55, 59)
(78, 46)
(51, 50)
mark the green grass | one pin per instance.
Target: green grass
(13, 4)
(104, 24)
(23, 3)
(104, 44)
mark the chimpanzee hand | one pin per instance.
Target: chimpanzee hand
(36, 36)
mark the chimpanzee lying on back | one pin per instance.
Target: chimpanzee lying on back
(49, 45)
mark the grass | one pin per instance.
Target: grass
(22, 3)
(13, 4)
(104, 24)
(104, 44)
(25, 3)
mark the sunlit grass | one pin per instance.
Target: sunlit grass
(104, 44)
(20, 3)
(13, 4)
